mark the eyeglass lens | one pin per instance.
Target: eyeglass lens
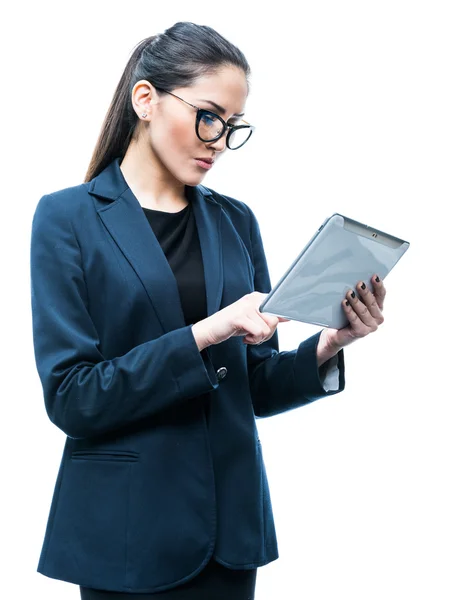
(210, 127)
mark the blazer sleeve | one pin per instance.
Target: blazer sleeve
(86, 395)
(282, 381)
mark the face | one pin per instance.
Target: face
(168, 132)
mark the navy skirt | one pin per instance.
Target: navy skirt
(214, 582)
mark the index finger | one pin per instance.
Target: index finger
(269, 319)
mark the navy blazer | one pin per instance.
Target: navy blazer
(146, 493)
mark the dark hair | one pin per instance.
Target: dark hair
(176, 58)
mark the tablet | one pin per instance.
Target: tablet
(341, 253)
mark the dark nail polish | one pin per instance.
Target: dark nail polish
(363, 286)
(347, 303)
(377, 279)
(353, 294)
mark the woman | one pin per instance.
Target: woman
(153, 356)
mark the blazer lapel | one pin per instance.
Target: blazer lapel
(126, 222)
(208, 215)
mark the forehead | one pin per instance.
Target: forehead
(228, 88)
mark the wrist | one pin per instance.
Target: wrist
(326, 349)
(200, 335)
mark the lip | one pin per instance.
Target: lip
(205, 163)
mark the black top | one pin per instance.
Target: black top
(178, 238)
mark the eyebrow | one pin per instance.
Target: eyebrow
(220, 109)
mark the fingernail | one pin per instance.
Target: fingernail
(377, 279)
(363, 286)
(347, 303)
(353, 294)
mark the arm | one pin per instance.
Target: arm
(84, 394)
(281, 381)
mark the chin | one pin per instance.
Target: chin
(193, 179)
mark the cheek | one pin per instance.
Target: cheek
(177, 138)
(175, 143)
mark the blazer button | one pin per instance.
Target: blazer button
(221, 373)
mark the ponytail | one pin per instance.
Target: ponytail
(120, 120)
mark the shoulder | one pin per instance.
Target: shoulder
(242, 218)
(63, 204)
(237, 210)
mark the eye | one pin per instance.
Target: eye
(208, 119)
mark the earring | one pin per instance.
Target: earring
(144, 115)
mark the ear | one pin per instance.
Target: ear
(143, 98)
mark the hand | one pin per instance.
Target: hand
(242, 318)
(364, 314)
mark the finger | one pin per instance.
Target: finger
(379, 290)
(358, 327)
(361, 310)
(270, 320)
(370, 301)
(352, 317)
(277, 319)
(273, 323)
(257, 329)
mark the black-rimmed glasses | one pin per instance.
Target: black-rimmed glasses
(210, 127)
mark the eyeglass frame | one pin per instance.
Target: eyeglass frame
(201, 111)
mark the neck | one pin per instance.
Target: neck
(153, 186)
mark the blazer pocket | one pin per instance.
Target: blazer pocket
(91, 519)
(106, 455)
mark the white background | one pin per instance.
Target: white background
(351, 101)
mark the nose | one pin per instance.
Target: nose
(220, 144)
